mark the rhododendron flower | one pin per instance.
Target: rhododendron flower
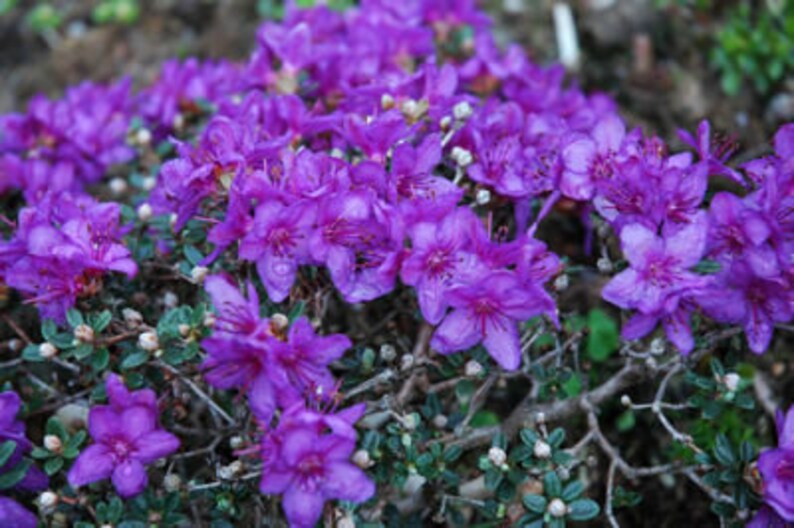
(488, 311)
(307, 460)
(777, 468)
(126, 437)
(13, 430)
(589, 161)
(14, 515)
(714, 159)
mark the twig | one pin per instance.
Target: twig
(199, 392)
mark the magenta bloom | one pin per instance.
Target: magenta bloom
(488, 311)
(590, 161)
(307, 460)
(14, 515)
(766, 517)
(777, 468)
(126, 437)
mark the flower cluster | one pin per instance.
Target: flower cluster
(15, 446)
(61, 249)
(776, 467)
(126, 436)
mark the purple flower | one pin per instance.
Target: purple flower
(13, 515)
(126, 437)
(309, 464)
(714, 159)
(766, 517)
(488, 311)
(591, 160)
(13, 430)
(776, 466)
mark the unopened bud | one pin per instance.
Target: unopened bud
(604, 265)
(483, 197)
(279, 322)
(236, 442)
(387, 352)
(170, 300)
(362, 459)
(462, 111)
(118, 186)
(557, 508)
(148, 341)
(541, 450)
(657, 346)
(84, 333)
(346, 522)
(540, 418)
(562, 282)
(53, 443)
(625, 400)
(47, 500)
(497, 456)
(144, 212)
(209, 320)
(15, 345)
(149, 183)
(440, 421)
(199, 273)
(47, 350)
(386, 101)
(132, 318)
(172, 482)
(407, 361)
(731, 381)
(411, 108)
(231, 471)
(179, 121)
(473, 368)
(445, 122)
(184, 329)
(461, 156)
(143, 136)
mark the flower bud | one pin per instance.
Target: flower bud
(47, 350)
(132, 318)
(411, 108)
(149, 183)
(731, 381)
(144, 212)
(172, 482)
(236, 442)
(540, 418)
(184, 330)
(445, 122)
(53, 443)
(84, 333)
(657, 346)
(483, 197)
(362, 459)
(346, 522)
(170, 300)
(279, 322)
(541, 450)
(15, 345)
(472, 369)
(440, 421)
(118, 186)
(386, 101)
(497, 456)
(179, 121)
(231, 471)
(604, 265)
(47, 500)
(199, 273)
(148, 341)
(625, 400)
(387, 352)
(461, 156)
(209, 320)
(462, 111)
(561, 282)
(143, 136)
(407, 361)
(557, 508)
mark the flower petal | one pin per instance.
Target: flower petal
(302, 508)
(457, 331)
(154, 445)
(94, 463)
(345, 481)
(502, 342)
(130, 478)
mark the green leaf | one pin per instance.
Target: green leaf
(100, 359)
(557, 437)
(83, 350)
(626, 421)
(493, 477)
(552, 487)
(572, 491)
(102, 321)
(7, 449)
(297, 311)
(48, 329)
(136, 359)
(193, 255)
(484, 419)
(452, 453)
(583, 510)
(707, 267)
(535, 503)
(603, 339)
(11, 478)
(572, 386)
(31, 353)
(53, 465)
(74, 317)
(55, 427)
(723, 450)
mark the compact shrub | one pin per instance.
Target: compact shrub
(323, 270)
